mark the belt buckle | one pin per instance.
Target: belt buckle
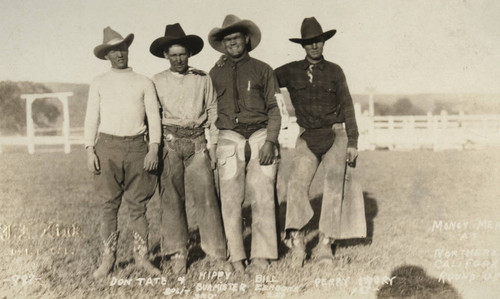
(169, 137)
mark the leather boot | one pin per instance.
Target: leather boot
(141, 255)
(179, 262)
(298, 248)
(108, 256)
(323, 251)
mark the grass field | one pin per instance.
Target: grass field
(430, 215)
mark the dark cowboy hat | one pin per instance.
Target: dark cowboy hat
(311, 30)
(233, 24)
(111, 39)
(175, 35)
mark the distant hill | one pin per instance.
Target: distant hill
(453, 103)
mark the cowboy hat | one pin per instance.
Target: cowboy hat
(233, 24)
(175, 35)
(111, 39)
(311, 30)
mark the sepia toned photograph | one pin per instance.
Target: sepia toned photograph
(249, 149)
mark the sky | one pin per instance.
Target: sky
(393, 46)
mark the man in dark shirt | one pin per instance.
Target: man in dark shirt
(249, 122)
(323, 106)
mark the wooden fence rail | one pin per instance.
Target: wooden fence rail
(435, 132)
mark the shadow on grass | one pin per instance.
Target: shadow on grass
(412, 282)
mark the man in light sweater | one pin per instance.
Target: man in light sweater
(189, 105)
(121, 160)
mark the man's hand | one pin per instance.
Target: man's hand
(93, 161)
(352, 154)
(213, 158)
(151, 160)
(221, 61)
(266, 153)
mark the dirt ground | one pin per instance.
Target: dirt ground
(432, 219)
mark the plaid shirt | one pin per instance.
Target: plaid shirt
(320, 99)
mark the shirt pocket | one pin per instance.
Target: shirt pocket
(328, 97)
(329, 87)
(297, 89)
(254, 96)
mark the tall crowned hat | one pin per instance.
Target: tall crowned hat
(175, 35)
(111, 39)
(311, 30)
(233, 24)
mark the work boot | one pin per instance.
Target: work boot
(179, 262)
(219, 263)
(238, 266)
(258, 264)
(141, 255)
(108, 256)
(298, 248)
(323, 251)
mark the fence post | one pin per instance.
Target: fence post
(65, 128)
(30, 130)
(441, 132)
(390, 126)
(432, 129)
(411, 132)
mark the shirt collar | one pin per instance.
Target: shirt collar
(320, 65)
(242, 61)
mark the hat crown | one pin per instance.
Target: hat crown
(310, 28)
(230, 20)
(174, 31)
(109, 35)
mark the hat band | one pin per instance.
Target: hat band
(115, 41)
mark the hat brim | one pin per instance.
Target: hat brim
(325, 35)
(103, 49)
(194, 44)
(217, 34)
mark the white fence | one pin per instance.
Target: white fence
(436, 132)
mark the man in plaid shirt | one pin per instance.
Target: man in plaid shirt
(325, 112)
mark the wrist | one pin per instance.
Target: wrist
(90, 149)
(153, 147)
(270, 142)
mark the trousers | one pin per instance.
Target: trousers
(187, 163)
(304, 166)
(123, 176)
(240, 180)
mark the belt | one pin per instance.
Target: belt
(182, 132)
(115, 137)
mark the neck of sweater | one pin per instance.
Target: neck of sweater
(126, 70)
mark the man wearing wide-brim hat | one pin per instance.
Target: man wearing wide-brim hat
(249, 122)
(121, 159)
(325, 112)
(189, 105)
